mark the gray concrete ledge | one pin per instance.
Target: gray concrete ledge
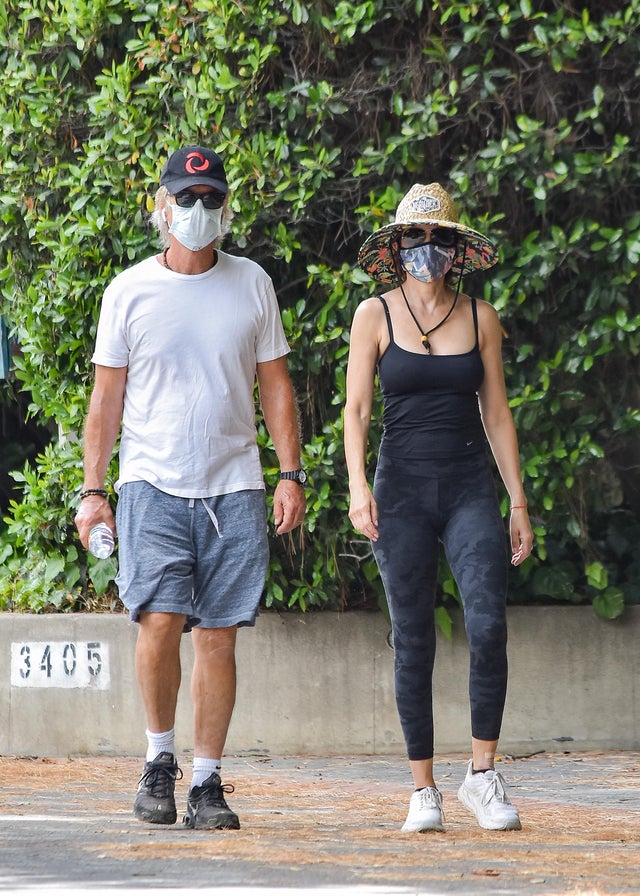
(321, 684)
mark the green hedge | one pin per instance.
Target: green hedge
(325, 114)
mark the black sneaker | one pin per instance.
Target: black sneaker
(154, 800)
(207, 807)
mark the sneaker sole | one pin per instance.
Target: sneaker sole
(422, 830)
(214, 824)
(151, 817)
(514, 825)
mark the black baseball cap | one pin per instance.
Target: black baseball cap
(193, 165)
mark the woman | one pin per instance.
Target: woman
(437, 354)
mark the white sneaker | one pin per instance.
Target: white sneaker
(485, 795)
(425, 811)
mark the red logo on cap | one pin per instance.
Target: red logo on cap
(196, 163)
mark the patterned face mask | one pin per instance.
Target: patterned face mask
(428, 262)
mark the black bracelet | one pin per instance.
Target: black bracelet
(94, 491)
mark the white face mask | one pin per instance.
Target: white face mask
(195, 227)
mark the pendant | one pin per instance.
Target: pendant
(425, 342)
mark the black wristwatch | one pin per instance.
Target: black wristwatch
(298, 476)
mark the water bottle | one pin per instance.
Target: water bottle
(101, 542)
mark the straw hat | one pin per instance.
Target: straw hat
(429, 204)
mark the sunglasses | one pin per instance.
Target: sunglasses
(417, 236)
(187, 199)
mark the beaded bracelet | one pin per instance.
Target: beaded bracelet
(94, 491)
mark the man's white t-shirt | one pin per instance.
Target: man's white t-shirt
(191, 344)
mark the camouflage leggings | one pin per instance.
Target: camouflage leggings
(421, 504)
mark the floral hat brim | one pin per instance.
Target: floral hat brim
(430, 205)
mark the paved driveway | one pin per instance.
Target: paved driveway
(323, 825)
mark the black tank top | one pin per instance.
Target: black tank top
(430, 401)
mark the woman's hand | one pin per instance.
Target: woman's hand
(521, 535)
(363, 513)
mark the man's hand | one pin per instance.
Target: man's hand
(93, 510)
(289, 506)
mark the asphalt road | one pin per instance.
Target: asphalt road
(318, 825)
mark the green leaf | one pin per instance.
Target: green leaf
(609, 604)
(102, 573)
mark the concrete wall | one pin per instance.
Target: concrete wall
(321, 684)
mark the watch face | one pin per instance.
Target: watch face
(298, 476)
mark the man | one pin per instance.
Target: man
(181, 339)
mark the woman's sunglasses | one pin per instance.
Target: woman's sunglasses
(187, 199)
(417, 236)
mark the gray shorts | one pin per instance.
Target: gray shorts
(204, 557)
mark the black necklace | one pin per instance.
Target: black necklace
(425, 335)
(165, 262)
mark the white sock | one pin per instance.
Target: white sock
(203, 768)
(160, 743)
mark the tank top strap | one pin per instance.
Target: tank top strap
(388, 316)
(474, 311)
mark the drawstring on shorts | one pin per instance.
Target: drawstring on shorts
(212, 516)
